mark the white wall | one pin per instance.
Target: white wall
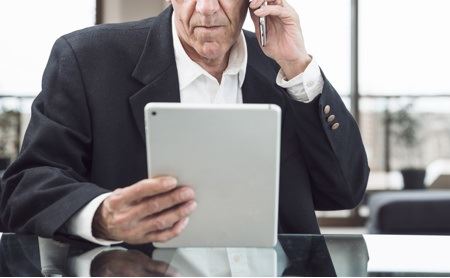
(128, 10)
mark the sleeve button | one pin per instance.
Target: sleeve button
(335, 126)
(331, 118)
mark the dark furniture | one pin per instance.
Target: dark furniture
(410, 212)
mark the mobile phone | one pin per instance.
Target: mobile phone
(263, 28)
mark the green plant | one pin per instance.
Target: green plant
(405, 131)
(405, 126)
(9, 120)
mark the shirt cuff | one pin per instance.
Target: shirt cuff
(306, 86)
(80, 266)
(81, 223)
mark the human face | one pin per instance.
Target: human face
(209, 28)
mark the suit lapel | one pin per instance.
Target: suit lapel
(259, 85)
(156, 69)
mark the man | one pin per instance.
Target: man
(82, 168)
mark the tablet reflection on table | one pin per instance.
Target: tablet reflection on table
(220, 261)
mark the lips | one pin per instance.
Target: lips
(209, 27)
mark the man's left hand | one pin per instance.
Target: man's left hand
(285, 42)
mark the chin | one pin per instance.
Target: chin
(212, 50)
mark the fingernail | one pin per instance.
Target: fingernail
(185, 221)
(191, 206)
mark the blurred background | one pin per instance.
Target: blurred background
(388, 59)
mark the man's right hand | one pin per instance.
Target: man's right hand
(152, 210)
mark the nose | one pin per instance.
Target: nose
(207, 7)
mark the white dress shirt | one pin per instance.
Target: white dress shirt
(198, 86)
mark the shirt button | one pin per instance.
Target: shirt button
(327, 109)
(335, 126)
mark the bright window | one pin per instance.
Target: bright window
(28, 29)
(404, 46)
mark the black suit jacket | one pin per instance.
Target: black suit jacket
(86, 135)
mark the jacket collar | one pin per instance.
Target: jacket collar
(156, 70)
(158, 54)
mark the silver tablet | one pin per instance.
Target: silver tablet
(230, 156)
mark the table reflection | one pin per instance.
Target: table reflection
(295, 255)
(32, 256)
(19, 256)
(128, 263)
(235, 262)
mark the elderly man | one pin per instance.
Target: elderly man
(82, 167)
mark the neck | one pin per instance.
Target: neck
(215, 66)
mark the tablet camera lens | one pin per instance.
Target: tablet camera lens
(154, 113)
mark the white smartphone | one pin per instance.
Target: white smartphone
(263, 29)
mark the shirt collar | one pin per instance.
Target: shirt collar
(237, 63)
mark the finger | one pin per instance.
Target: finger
(255, 20)
(142, 189)
(254, 4)
(163, 236)
(167, 219)
(156, 204)
(273, 10)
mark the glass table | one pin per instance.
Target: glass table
(294, 255)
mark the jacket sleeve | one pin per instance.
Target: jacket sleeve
(335, 158)
(48, 182)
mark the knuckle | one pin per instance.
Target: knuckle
(118, 220)
(153, 206)
(174, 197)
(138, 190)
(182, 212)
(180, 195)
(112, 202)
(159, 224)
(186, 209)
(183, 194)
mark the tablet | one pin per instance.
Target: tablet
(230, 156)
